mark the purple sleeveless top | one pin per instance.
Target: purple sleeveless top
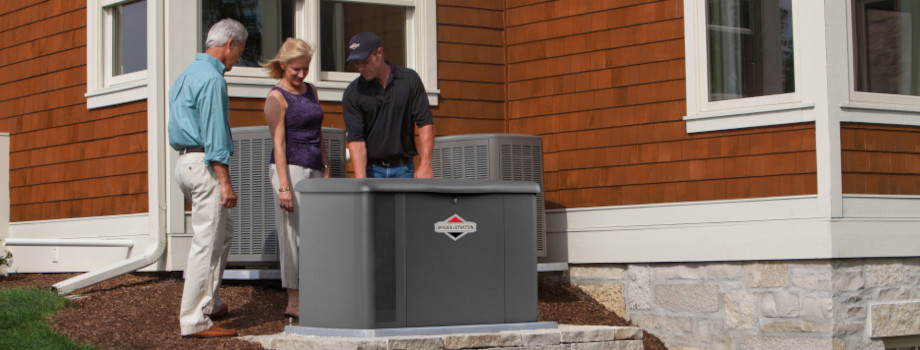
(303, 124)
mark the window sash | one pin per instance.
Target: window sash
(342, 19)
(308, 11)
(705, 115)
(878, 68)
(742, 52)
(111, 47)
(698, 69)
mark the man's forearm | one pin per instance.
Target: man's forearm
(223, 173)
(426, 144)
(358, 152)
(426, 148)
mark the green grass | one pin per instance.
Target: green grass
(24, 314)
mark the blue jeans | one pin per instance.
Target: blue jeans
(405, 171)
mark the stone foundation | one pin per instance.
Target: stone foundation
(809, 304)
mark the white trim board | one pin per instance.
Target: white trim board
(779, 228)
(110, 226)
(134, 227)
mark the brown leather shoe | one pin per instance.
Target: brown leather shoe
(222, 311)
(213, 332)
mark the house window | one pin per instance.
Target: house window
(127, 44)
(741, 64)
(116, 51)
(750, 48)
(887, 51)
(269, 23)
(339, 21)
(407, 28)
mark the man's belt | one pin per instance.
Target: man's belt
(191, 150)
(392, 162)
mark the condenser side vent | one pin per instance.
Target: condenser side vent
(254, 239)
(524, 162)
(255, 236)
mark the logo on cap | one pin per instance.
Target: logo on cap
(455, 227)
(354, 46)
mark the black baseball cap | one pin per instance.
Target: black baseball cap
(362, 45)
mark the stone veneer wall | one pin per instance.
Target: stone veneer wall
(807, 304)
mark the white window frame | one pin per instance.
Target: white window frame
(253, 82)
(103, 89)
(874, 107)
(703, 115)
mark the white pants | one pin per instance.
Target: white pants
(213, 232)
(287, 224)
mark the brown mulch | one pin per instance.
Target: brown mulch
(141, 311)
(566, 304)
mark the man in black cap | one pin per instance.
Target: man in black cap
(380, 108)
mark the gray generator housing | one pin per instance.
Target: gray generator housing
(255, 238)
(372, 256)
(494, 157)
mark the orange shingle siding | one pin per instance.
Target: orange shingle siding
(65, 161)
(471, 71)
(603, 83)
(18, 13)
(879, 159)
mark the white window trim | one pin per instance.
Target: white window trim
(871, 107)
(252, 82)
(703, 115)
(101, 89)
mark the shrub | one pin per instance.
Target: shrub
(6, 258)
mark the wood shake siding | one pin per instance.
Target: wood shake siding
(603, 83)
(65, 161)
(249, 112)
(471, 73)
(880, 159)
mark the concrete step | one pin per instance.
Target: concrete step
(565, 337)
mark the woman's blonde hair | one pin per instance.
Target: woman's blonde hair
(291, 49)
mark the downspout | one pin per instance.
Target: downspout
(156, 160)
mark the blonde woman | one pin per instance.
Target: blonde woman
(295, 120)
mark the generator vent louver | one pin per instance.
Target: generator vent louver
(255, 236)
(494, 157)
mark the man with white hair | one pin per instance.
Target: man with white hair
(199, 130)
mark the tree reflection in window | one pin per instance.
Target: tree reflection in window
(269, 23)
(339, 21)
(750, 48)
(887, 51)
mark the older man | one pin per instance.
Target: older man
(199, 130)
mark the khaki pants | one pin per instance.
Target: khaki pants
(213, 232)
(287, 224)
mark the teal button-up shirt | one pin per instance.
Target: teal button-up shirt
(198, 110)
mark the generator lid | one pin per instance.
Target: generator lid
(466, 186)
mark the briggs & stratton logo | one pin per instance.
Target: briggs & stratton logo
(455, 227)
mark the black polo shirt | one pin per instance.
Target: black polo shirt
(383, 118)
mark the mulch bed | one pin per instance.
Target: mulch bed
(141, 311)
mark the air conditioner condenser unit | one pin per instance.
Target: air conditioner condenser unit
(255, 240)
